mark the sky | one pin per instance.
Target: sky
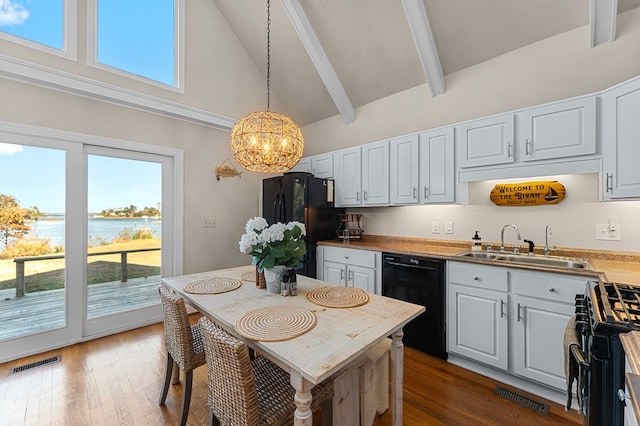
(36, 177)
(135, 35)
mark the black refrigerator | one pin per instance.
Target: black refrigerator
(308, 200)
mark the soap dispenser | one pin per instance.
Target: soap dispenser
(477, 242)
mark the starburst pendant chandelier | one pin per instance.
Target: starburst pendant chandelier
(265, 141)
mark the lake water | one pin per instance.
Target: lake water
(99, 229)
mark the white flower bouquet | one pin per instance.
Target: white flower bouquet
(278, 244)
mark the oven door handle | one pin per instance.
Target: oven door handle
(577, 354)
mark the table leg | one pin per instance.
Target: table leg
(304, 415)
(397, 366)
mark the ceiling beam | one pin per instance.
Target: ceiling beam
(315, 51)
(602, 20)
(425, 45)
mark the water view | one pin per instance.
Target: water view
(100, 229)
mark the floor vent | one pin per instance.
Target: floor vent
(35, 364)
(522, 400)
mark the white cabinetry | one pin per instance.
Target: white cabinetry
(621, 147)
(511, 319)
(437, 168)
(422, 168)
(403, 175)
(558, 130)
(362, 175)
(563, 129)
(351, 267)
(477, 313)
(320, 165)
(542, 305)
(486, 142)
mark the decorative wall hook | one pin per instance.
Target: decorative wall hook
(226, 169)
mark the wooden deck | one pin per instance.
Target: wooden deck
(44, 310)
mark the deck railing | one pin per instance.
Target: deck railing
(20, 261)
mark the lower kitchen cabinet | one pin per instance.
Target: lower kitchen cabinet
(350, 267)
(511, 320)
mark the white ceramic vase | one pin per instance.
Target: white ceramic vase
(273, 277)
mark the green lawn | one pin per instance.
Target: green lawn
(49, 274)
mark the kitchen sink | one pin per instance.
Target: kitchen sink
(553, 261)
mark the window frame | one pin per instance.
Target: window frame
(69, 35)
(178, 46)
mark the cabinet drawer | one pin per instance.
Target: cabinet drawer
(556, 287)
(488, 277)
(356, 257)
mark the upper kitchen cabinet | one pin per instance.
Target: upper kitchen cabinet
(422, 168)
(403, 169)
(621, 147)
(436, 165)
(362, 175)
(320, 165)
(486, 142)
(563, 129)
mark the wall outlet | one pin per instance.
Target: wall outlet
(448, 227)
(604, 232)
(209, 222)
(435, 227)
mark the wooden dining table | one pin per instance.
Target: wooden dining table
(338, 338)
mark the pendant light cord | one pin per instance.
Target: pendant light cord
(268, 54)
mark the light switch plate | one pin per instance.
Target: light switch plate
(448, 227)
(209, 222)
(435, 227)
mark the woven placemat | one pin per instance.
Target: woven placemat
(212, 285)
(338, 297)
(276, 323)
(248, 276)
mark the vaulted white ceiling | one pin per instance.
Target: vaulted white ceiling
(329, 57)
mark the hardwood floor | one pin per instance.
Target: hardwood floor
(116, 380)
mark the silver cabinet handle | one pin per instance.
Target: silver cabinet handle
(351, 276)
(358, 195)
(426, 192)
(526, 147)
(415, 192)
(501, 308)
(477, 278)
(551, 289)
(341, 274)
(518, 312)
(509, 150)
(609, 182)
(365, 195)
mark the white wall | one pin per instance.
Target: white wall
(557, 68)
(572, 220)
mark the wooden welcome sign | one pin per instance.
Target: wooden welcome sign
(528, 193)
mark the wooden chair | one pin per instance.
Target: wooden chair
(184, 346)
(246, 392)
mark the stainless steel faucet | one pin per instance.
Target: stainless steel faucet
(515, 228)
(547, 232)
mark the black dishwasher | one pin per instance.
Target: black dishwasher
(420, 281)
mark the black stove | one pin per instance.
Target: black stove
(602, 313)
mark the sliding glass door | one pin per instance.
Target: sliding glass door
(86, 232)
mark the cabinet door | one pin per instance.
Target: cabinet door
(436, 167)
(375, 173)
(334, 273)
(359, 277)
(621, 150)
(478, 323)
(538, 335)
(563, 129)
(348, 177)
(403, 166)
(322, 165)
(486, 142)
(304, 165)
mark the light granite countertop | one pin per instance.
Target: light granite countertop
(610, 266)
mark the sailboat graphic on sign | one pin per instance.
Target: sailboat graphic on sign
(551, 195)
